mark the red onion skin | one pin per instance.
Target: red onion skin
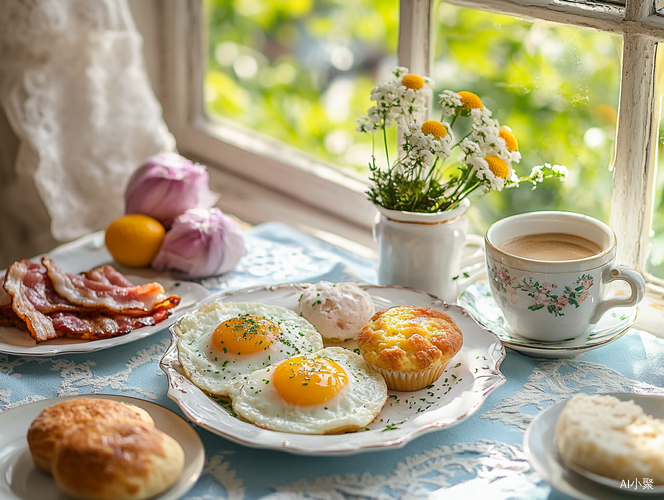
(166, 185)
(201, 243)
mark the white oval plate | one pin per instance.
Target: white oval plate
(19, 342)
(540, 447)
(478, 299)
(21, 480)
(471, 375)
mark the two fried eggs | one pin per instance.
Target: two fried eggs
(271, 363)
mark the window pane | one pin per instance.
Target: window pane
(300, 71)
(556, 87)
(655, 263)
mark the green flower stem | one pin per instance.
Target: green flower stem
(456, 117)
(387, 155)
(460, 181)
(432, 169)
(461, 140)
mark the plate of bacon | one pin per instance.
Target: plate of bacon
(45, 311)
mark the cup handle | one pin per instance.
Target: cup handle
(472, 265)
(635, 282)
(473, 240)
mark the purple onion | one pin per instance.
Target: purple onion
(165, 186)
(201, 243)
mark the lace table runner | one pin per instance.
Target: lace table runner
(482, 457)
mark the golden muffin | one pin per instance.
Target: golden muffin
(126, 460)
(409, 345)
(49, 426)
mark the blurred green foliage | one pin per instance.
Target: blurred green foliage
(300, 71)
(556, 87)
(655, 264)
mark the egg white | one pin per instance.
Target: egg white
(216, 373)
(354, 407)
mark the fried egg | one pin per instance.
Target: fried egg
(333, 390)
(223, 341)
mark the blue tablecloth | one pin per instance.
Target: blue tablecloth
(480, 458)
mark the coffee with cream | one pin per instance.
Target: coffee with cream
(551, 247)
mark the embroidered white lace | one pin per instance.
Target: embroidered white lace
(77, 375)
(555, 381)
(425, 475)
(76, 94)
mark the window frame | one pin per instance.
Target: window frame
(243, 153)
(244, 158)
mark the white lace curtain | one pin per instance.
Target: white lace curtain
(77, 115)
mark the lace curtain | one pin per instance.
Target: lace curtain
(75, 93)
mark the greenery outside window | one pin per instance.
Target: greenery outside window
(634, 28)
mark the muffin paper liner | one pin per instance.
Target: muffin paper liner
(410, 381)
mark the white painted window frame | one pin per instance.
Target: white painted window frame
(250, 164)
(634, 163)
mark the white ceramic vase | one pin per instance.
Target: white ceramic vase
(424, 251)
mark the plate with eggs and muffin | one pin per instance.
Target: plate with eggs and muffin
(329, 368)
(97, 447)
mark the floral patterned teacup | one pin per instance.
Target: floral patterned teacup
(554, 300)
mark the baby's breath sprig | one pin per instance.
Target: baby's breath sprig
(420, 180)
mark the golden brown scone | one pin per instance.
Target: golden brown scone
(409, 345)
(116, 461)
(49, 426)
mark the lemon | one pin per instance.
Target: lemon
(133, 240)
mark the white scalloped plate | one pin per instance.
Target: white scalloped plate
(539, 444)
(20, 343)
(471, 375)
(21, 480)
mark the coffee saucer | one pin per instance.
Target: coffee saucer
(478, 300)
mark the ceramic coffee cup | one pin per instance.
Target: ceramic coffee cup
(543, 297)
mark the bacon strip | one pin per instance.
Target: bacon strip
(35, 305)
(108, 275)
(40, 326)
(100, 326)
(39, 290)
(83, 291)
(5, 298)
(9, 318)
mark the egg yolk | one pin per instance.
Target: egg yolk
(244, 335)
(308, 381)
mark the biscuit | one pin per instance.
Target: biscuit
(612, 438)
(49, 426)
(337, 310)
(410, 345)
(126, 460)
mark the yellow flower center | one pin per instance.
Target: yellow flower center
(606, 114)
(508, 137)
(470, 100)
(498, 167)
(434, 128)
(412, 82)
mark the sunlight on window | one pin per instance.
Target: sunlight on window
(556, 87)
(300, 71)
(655, 263)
